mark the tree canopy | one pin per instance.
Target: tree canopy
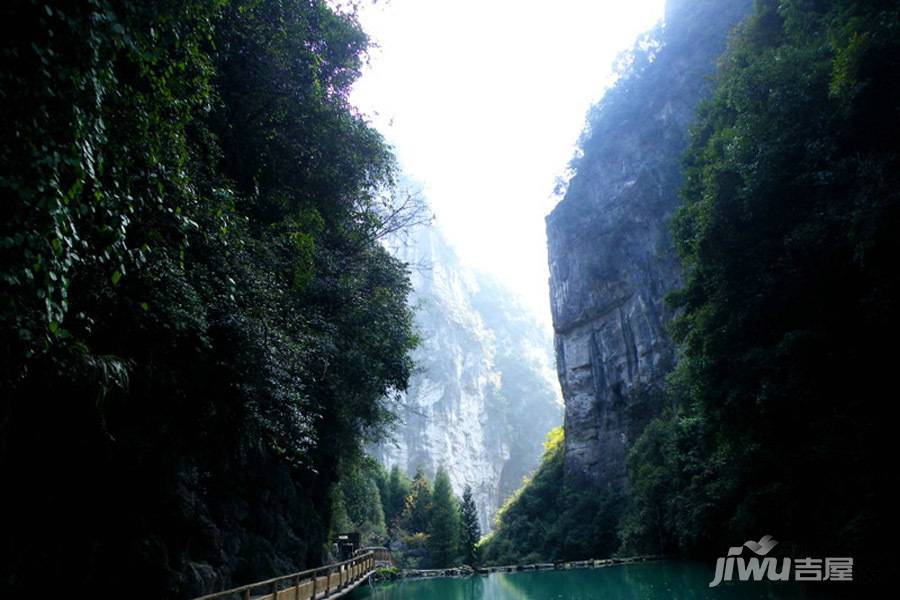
(443, 539)
(776, 416)
(788, 234)
(199, 325)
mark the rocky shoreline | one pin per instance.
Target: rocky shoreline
(467, 571)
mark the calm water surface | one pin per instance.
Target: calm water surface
(662, 579)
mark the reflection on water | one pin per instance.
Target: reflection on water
(647, 581)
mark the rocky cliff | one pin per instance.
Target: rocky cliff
(483, 395)
(611, 259)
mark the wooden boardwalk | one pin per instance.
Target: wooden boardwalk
(330, 581)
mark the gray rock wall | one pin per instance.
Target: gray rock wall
(611, 256)
(484, 394)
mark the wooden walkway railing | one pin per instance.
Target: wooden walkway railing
(330, 581)
(383, 556)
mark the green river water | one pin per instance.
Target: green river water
(650, 581)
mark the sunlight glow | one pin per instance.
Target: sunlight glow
(484, 101)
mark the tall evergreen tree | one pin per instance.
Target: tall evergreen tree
(398, 488)
(443, 538)
(417, 509)
(469, 530)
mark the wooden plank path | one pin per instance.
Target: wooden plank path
(330, 581)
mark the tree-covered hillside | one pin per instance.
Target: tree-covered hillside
(777, 419)
(425, 525)
(789, 234)
(550, 517)
(199, 326)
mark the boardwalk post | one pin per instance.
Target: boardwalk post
(246, 594)
(296, 587)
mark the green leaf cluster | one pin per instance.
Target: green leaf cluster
(554, 516)
(200, 327)
(789, 236)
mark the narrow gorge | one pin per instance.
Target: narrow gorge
(483, 394)
(612, 264)
(241, 356)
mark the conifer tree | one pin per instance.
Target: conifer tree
(417, 510)
(469, 531)
(443, 539)
(397, 489)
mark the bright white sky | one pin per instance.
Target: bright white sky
(483, 101)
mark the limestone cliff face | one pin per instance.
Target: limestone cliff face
(611, 258)
(483, 395)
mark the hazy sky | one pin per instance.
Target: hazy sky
(484, 101)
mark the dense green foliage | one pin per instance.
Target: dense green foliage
(416, 515)
(778, 413)
(553, 516)
(394, 490)
(357, 503)
(425, 522)
(789, 235)
(199, 325)
(443, 539)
